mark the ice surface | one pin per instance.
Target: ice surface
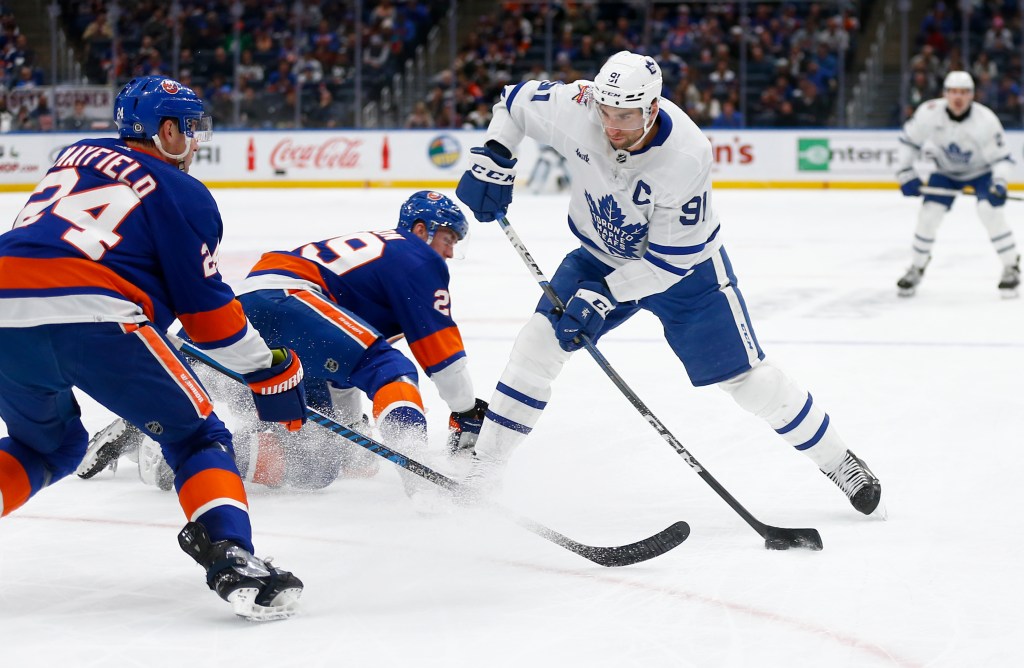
(926, 390)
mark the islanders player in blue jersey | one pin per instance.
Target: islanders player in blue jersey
(338, 303)
(643, 210)
(114, 244)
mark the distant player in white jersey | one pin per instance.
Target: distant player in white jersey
(642, 208)
(966, 142)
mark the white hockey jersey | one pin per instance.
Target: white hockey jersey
(649, 213)
(961, 150)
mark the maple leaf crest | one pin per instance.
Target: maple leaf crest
(620, 238)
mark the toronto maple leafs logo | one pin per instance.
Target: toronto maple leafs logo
(620, 239)
(957, 155)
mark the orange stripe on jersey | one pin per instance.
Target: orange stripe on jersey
(331, 312)
(25, 273)
(175, 369)
(437, 347)
(216, 325)
(292, 264)
(270, 460)
(206, 488)
(14, 485)
(397, 392)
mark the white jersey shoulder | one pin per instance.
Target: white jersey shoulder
(648, 214)
(961, 149)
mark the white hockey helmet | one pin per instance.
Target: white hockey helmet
(958, 79)
(628, 80)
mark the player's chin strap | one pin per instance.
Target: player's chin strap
(180, 157)
(776, 538)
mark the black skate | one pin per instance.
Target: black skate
(258, 591)
(120, 437)
(1010, 281)
(908, 284)
(858, 483)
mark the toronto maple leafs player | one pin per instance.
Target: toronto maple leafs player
(643, 209)
(117, 241)
(965, 141)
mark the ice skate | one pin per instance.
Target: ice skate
(120, 437)
(857, 481)
(908, 284)
(1010, 281)
(256, 590)
(485, 479)
(153, 468)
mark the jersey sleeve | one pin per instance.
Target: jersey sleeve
(912, 137)
(533, 108)
(995, 149)
(202, 301)
(422, 307)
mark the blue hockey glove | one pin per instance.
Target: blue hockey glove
(584, 314)
(278, 392)
(464, 428)
(911, 188)
(997, 191)
(486, 187)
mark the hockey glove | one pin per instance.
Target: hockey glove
(911, 188)
(464, 428)
(278, 392)
(486, 187)
(584, 314)
(997, 191)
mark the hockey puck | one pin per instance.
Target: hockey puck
(776, 544)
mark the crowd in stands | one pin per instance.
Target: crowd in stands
(790, 78)
(779, 63)
(994, 56)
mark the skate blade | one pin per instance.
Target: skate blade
(880, 512)
(1011, 293)
(907, 292)
(243, 602)
(103, 451)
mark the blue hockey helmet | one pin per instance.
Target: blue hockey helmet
(145, 101)
(434, 210)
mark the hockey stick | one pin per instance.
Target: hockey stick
(775, 538)
(952, 192)
(622, 555)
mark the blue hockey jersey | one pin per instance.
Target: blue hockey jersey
(114, 234)
(390, 278)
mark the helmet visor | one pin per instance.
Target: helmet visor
(200, 127)
(627, 119)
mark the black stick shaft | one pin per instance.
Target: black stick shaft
(623, 555)
(799, 536)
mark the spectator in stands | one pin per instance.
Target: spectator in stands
(480, 117)
(729, 118)
(997, 33)
(6, 117)
(322, 115)
(77, 121)
(419, 117)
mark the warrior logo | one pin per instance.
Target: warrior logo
(620, 239)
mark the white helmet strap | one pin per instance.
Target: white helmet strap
(178, 158)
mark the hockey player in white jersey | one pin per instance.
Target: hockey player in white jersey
(642, 207)
(965, 141)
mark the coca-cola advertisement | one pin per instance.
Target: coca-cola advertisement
(291, 153)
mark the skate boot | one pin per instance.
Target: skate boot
(485, 479)
(858, 483)
(256, 590)
(120, 437)
(153, 468)
(1010, 281)
(908, 284)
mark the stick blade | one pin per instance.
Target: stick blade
(642, 550)
(776, 538)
